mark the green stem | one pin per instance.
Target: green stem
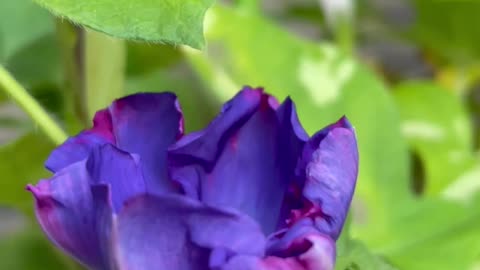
(251, 6)
(104, 68)
(344, 34)
(31, 107)
(70, 38)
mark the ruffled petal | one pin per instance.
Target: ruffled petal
(177, 233)
(304, 250)
(66, 211)
(78, 148)
(233, 115)
(119, 170)
(104, 216)
(329, 167)
(147, 124)
(144, 124)
(292, 140)
(75, 207)
(188, 156)
(243, 159)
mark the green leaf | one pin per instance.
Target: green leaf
(170, 21)
(438, 129)
(21, 163)
(37, 63)
(325, 85)
(21, 23)
(435, 234)
(143, 58)
(353, 255)
(31, 250)
(446, 28)
(465, 187)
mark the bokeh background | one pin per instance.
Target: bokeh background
(406, 73)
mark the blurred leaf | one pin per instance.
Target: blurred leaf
(36, 63)
(13, 122)
(21, 163)
(30, 251)
(325, 85)
(447, 28)
(355, 256)
(37, 68)
(465, 187)
(170, 21)
(24, 36)
(438, 128)
(143, 58)
(21, 23)
(435, 234)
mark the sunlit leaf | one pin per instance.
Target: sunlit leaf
(435, 234)
(37, 63)
(21, 23)
(170, 21)
(355, 256)
(21, 163)
(438, 128)
(31, 250)
(465, 187)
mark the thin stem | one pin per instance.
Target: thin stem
(104, 70)
(251, 6)
(71, 41)
(31, 107)
(344, 35)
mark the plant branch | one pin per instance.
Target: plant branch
(31, 106)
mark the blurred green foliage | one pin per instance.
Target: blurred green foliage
(416, 205)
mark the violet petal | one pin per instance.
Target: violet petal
(330, 165)
(241, 160)
(78, 148)
(120, 170)
(66, 211)
(147, 124)
(318, 255)
(180, 233)
(144, 124)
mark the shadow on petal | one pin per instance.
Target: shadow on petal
(245, 159)
(177, 233)
(329, 169)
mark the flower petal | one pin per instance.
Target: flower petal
(242, 159)
(144, 124)
(234, 113)
(292, 140)
(147, 124)
(101, 197)
(74, 208)
(66, 212)
(329, 166)
(78, 148)
(180, 233)
(311, 251)
(119, 170)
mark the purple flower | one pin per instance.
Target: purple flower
(251, 191)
